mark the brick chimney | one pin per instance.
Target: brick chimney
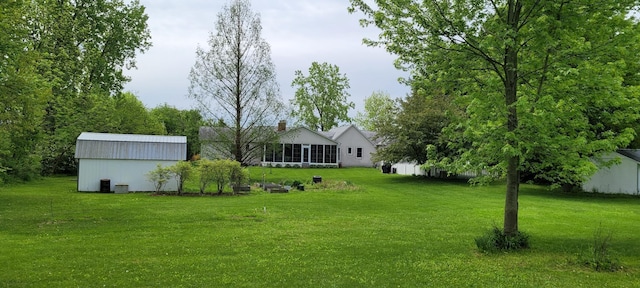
(282, 125)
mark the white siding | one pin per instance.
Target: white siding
(352, 138)
(130, 172)
(621, 178)
(305, 136)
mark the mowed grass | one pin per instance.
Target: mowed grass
(384, 231)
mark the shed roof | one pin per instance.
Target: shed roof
(631, 153)
(130, 146)
(131, 138)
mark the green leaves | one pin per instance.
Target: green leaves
(321, 99)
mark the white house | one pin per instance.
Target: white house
(301, 147)
(356, 146)
(125, 159)
(622, 178)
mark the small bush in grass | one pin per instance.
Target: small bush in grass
(599, 256)
(159, 177)
(496, 240)
(181, 171)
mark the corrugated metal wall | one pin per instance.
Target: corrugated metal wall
(90, 149)
(129, 146)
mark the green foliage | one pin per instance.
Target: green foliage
(544, 84)
(222, 172)
(159, 177)
(321, 99)
(86, 45)
(599, 256)
(421, 118)
(496, 240)
(23, 94)
(132, 117)
(181, 123)
(234, 82)
(206, 171)
(379, 112)
(123, 114)
(181, 171)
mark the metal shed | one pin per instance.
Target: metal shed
(125, 159)
(621, 178)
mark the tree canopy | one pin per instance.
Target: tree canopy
(61, 73)
(321, 99)
(234, 82)
(379, 111)
(545, 83)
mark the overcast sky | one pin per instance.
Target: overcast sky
(299, 32)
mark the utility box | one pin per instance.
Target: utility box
(122, 189)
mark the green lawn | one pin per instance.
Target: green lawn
(385, 231)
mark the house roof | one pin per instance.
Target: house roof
(208, 133)
(336, 132)
(320, 134)
(631, 153)
(130, 146)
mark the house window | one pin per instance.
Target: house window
(316, 154)
(277, 153)
(288, 152)
(334, 154)
(297, 153)
(268, 153)
(359, 153)
(349, 151)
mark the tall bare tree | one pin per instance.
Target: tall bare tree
(234, 82)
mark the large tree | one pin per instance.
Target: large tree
(542, 79)
(181, 123)
(87, 44)
(416, 127)
(23, 93)
(234, 82)
(379, 111)
(321, 100)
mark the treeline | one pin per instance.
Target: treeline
(61, 73)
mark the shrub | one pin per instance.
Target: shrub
(237, 174)
(181, 171)
(205, 167)
(496, 240)
(159, 177)
(221, 172)
(599, 256)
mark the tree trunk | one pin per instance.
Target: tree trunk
(511, 97)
